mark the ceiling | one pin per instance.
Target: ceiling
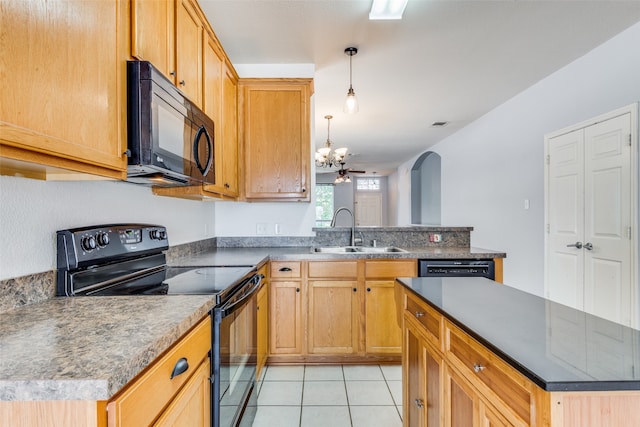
(449, 60)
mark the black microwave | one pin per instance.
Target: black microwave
(170, 140)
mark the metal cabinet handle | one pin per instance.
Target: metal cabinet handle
(355, 290)
(419, 314)
(173, 73)
(419, 403)
(368, 289)
(181, 367)
(577, 245)
(478, 367)
(182, 83)
(297, 289)
(285, 269)
(588, 246)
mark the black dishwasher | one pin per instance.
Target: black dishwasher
(457, 268)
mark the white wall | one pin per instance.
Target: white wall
(31, 211)
(294, 218)
(491, 166)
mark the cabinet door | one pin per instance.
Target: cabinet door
(414, 378)
(462, 401)
(152, 34)
(263, 327)
(276, 138)
(383, 334)
(333, 320)
(57, 110)
(191, 407)
(189, 51)
(229, 177)
(285, 311)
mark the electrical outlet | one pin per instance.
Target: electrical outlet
(261, 228)
(278, 229)
(435, 237)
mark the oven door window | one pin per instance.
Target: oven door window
(238, 351)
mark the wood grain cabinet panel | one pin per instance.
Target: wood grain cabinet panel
(285, 317)
(327, 269)
(286, 269)
(275, 134)
(58, 113)
(153, 34)
(189, 28)
(333, 317)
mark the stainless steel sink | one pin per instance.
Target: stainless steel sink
(335, 249)
(384, 249)
(356, 249)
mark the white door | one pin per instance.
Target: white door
(565, 195)
(589, 252)
(368, 209)
(607, 235)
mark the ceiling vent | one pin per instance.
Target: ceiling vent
(439, 124)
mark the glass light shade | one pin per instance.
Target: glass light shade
(338, 180)
(324, 151)
(351, 102)
(347, 179)
(340, 153)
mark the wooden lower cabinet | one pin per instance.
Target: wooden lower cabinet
(159, 397)
(263, 326)
(192, 406)
(461, 401)
(333, 317)
(285, 317)
(336, 311)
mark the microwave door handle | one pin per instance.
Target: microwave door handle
(196, 142)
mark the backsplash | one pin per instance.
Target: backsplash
(38, 287)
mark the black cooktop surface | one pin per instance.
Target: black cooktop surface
(204, 280)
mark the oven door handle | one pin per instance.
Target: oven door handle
(231, 305)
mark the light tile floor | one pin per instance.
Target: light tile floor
(330, 396)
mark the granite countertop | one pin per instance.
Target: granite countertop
(88, 348)
(257, 256)
(559, 348)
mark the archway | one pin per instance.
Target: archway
(425, 190)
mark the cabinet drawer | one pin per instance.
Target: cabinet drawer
(285, 269)
(144, 398)
(390, 269)
(428, 317)
(490, 374)
(333, 269)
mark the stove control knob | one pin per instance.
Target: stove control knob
(163, 235)
(154, 234)
(103, 239)
(88, 243)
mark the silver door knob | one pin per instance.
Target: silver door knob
(577, 245)
(478, 367)
(419, 403)
(588, 246)
(419, 314)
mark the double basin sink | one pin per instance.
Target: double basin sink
(356, 249)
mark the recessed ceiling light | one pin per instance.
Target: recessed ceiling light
(387, 9)
(439, 124)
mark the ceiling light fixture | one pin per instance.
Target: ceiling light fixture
(343, 175)
(351, 103)
(325, 157)
(387, 9)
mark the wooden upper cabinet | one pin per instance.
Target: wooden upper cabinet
(153, 34)
(229, 125)
(276, 137)
(169, 34)
(189, 28)
(57, 110)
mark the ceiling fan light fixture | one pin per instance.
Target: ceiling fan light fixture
(351, 102)
(387, 9)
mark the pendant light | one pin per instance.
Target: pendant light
(351, 103)
(325, 156)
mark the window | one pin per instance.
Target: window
(324, 204)
(368, 184)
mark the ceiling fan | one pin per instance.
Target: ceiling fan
(343, 174)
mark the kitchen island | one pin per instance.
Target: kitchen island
(488, 353)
